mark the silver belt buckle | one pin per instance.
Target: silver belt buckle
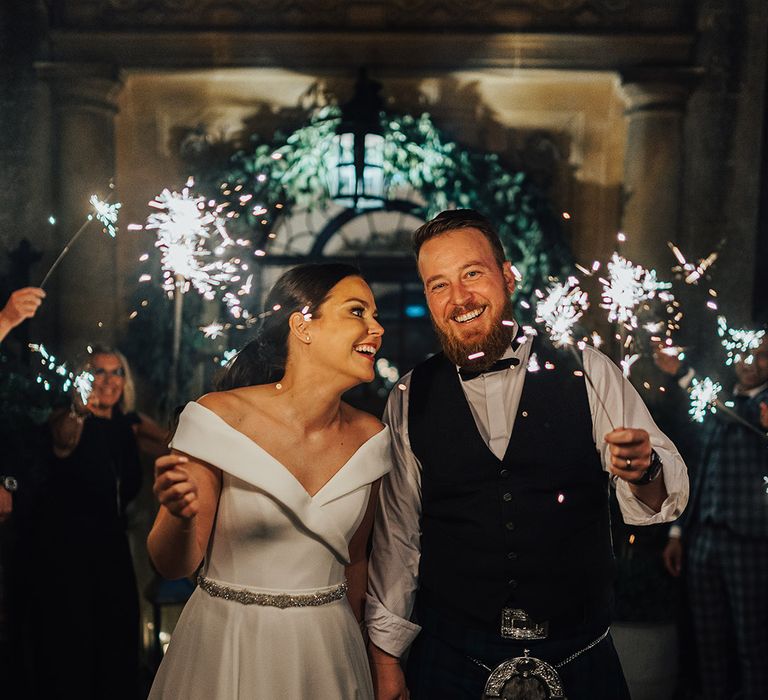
(516, 624)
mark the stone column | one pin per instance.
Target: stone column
(83, 288)
(652, 168)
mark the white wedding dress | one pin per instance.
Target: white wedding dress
(271, 537)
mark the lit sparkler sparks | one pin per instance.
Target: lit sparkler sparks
(739, 343)
(627, 362)
(704, 394)
(227, 357)
(213, 330)
(83, 382)
(184, 225)
(560, 309)
(690, 272)
(627, 286)
(105, 213)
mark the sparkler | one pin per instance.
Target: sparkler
(228, 356)
(212, 330)
(187, 225)
(105, 213)
(184, 225)
(738, 342)
(559, 310)
(690, 272)
(82, 382)
(703, 394)
(704, 399)
(627, 286)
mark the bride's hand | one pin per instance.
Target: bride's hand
(175, 488)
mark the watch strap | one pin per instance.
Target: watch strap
(652, 473)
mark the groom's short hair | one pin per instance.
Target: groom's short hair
(455, 219)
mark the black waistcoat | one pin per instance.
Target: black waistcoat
(530, 531)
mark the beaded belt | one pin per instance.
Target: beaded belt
(275, 600)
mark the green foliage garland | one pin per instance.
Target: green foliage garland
(292, 171)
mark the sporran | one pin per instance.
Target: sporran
(524, 678)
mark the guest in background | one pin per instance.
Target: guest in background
(90, 600)
(722, 540)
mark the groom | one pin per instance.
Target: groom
(492, 537)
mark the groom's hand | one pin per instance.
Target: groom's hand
(388, 676)
(630, 451)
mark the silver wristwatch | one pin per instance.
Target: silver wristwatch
(9, 483)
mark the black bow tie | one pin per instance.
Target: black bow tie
(505, 363)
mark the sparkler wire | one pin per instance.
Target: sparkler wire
(69, 244)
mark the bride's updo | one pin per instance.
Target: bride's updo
(301, 289)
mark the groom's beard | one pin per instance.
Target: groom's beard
(493, 345)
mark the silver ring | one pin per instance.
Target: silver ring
(629, 463)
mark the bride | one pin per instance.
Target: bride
(272, 485)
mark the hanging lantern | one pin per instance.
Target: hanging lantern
(357, 173)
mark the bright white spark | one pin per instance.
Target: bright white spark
(627, 286)
(106, 214)
(690, 272)
(533, 363)
(184, 229)
(738, 342)
(627, 362)
(703, 397)
(84, 385)
(560, 309)
(227, 356)
(212, 330)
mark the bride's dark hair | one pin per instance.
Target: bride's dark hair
(301, 289)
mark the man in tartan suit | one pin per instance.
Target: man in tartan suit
(724, 536)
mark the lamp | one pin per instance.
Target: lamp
(357, 173)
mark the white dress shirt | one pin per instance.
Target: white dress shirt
(494, 399)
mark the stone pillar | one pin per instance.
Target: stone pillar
(652, 169)
(83, 288)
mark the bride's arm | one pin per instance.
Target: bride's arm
(357, 570)
(188, 492)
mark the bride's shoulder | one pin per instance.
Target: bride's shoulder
(231, 403)
(366, 424)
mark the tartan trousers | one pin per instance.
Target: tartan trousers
(728, 588)
(439, 666)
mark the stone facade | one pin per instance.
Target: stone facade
(656, 122)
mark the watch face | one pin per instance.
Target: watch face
(10, 483)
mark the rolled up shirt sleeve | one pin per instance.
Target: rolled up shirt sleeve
(394, 562)
(618, 405)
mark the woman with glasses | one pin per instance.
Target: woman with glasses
(92, 630)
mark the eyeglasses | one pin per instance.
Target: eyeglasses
(101, 372)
